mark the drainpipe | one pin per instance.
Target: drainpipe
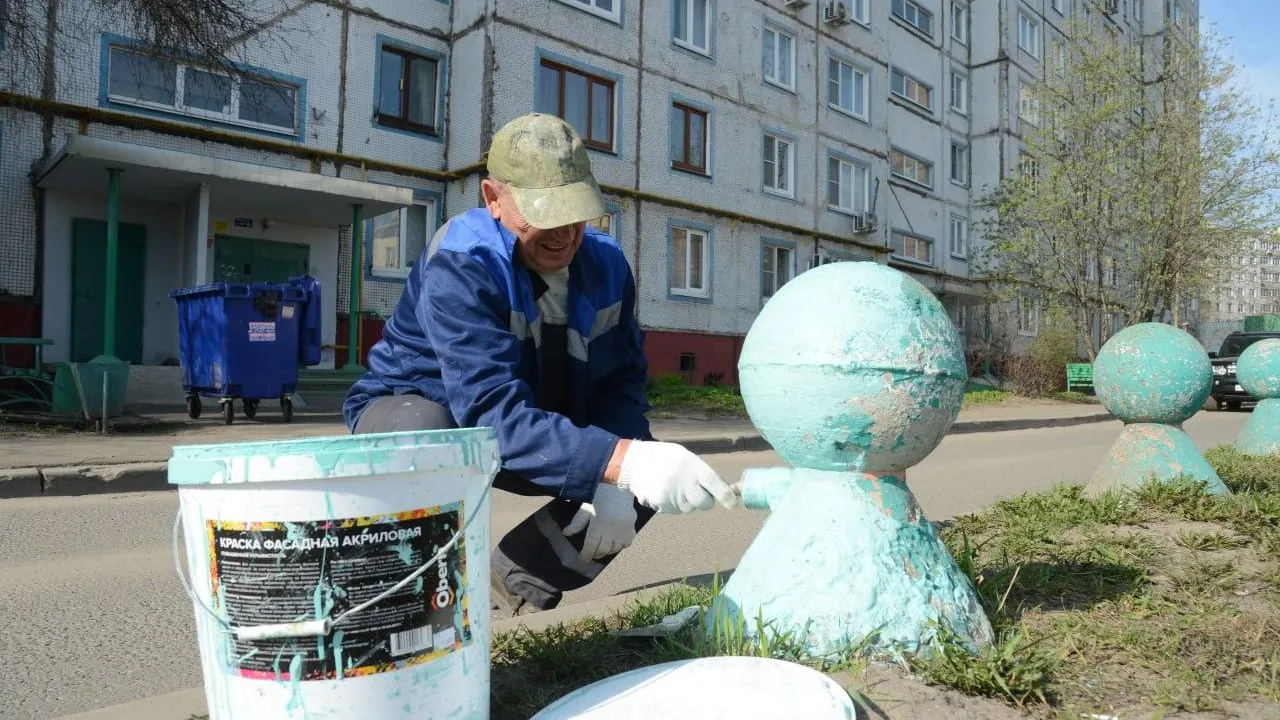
(353, 317)
(113, 263)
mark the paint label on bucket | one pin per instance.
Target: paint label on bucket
(281, 572)
(262, 331)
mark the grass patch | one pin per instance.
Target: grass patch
(1155, 601)
(985, 397)
(672, 396)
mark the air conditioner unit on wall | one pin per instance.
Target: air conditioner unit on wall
(835, 12)
(864, 223)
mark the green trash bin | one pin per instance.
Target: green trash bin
(78, 387)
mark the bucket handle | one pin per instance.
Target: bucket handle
(319, 626)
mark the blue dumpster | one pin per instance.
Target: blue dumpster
(240, 341)
(311, 345)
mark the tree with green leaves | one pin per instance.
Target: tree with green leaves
(1146, 169)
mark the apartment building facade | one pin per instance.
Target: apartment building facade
(739, 143)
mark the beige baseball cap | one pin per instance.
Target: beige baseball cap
(544, 162)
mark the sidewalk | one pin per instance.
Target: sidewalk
(60, 463)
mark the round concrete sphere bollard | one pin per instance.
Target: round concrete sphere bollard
(854, 373)
(1258, 369)
(1152, 373)
(853, 366)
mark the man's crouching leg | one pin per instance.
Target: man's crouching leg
(535, 563)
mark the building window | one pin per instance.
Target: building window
(779, 58)
(607, 9)
(858, 9)
(1028, 105)
(1057, 6)
(145, 80)
(847, 88)
(688, 138)
(1028, 317)
(911, 89)
(408, 85)
(959, 237)
(1029, 34)
(848, 185)
(959, 163)
(912, 248)
(606, 224)
(397, 238)
(1060, 58)
(962, 317)
(691, 25)
(690, 252)
(959, 92)
(581, 99)
(910, 168)
(776, 268)
(779, 171)
(1109, 271)
(1028, 168)
(960, 23)
(913, 15)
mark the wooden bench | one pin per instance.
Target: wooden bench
(1079, 375)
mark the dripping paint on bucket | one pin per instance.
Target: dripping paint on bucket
(340, 577)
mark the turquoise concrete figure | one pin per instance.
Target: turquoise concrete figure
(1153, 377)
(1258, 371)
(853, 372)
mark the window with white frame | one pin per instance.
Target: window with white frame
(1028, 104)
(779, 168)
(962, 317)
(691, 25)
(847, 88)
(397, 238)
(606, 224)
(1109, 271)
(607, 9)
(1137, 11)
(1029, 34)
(913, 248)
(959, 163)
(779, 57)
(138, 78)
(858, 9)
(959, 237)
(690, 253)
(959, 92)
(1028, 316)
(960, 23)
(1060, 58)
(1058, 6)
(910, 89)
(777, 267)
(848, 185)
(909, 167)
(1028, 168)
(913, 14)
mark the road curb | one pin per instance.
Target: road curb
(153, 476)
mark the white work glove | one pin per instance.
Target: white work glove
(610, 522)
(670, 479)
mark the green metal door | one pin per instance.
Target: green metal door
(237, 259)
(89, 283)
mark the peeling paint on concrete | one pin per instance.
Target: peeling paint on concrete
(854, 373)
(1258, 371)
(1152, 377)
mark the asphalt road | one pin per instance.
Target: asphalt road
(92, 616)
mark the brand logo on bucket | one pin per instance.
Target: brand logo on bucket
(443, 596)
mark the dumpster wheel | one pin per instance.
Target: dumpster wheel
(286, 408)
(250, 408)
(228, 410)
(193, 407)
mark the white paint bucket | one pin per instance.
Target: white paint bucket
(295, 551)
(715, 688)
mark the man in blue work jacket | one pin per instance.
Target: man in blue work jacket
(520, 317)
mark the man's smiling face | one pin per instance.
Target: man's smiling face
(542, 250)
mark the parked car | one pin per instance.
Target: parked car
(1226, 388)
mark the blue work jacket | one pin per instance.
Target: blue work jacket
(466, 334)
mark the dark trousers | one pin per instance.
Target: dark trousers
(536, 560)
